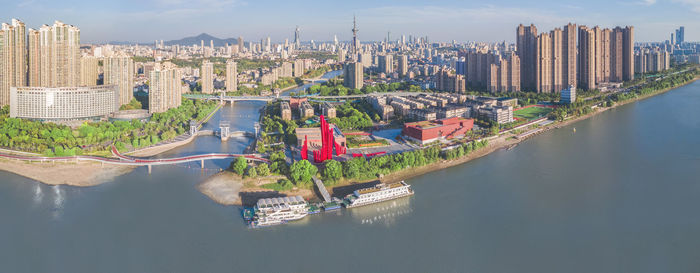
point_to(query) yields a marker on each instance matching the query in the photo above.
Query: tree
(252, 172)
(239, 165)
(332, 170)
(263, 169)
(302, 171)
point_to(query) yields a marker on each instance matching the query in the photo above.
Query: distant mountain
(197, 40)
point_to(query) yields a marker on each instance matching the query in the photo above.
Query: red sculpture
(327, 143)
(305, 149)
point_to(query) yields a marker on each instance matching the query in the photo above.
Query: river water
(621, 194)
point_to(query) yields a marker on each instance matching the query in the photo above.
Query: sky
(440, 20)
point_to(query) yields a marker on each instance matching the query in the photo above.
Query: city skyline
(145, 21)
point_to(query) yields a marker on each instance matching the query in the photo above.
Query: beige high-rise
(34, 58)
(13, 55)
(543, 71)
(556, 36)
(88, 71)
(165, 91)
(231, 76)
(207, 75)
(403, 65)
(606, 48)
(119, 70)
(59, 55)
(353, 75)
(616, 55)
(628, 53)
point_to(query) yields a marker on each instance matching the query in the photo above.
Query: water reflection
(385, 213)
(38, 194)
(58, 201)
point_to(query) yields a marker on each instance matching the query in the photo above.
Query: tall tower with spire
(355, 42)
(297, 39)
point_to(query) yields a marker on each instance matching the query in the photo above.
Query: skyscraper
(207, 75)
(568, 54)
(231, 76)
(59, 56)
(526, 43)
(297, 38)
(119, 70)
(353, 77)
(34, 58)
(88, 71)
(386, 63)
(13, 54)
(616, 55)
(680, 35)
(165, 90)
(586, 58)
(241, 47)
(403, 65)
(543, 71)
(628, 53)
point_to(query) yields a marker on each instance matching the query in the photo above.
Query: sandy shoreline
(81, 173)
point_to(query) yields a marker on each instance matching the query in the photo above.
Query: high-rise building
(615, 55)
(445, 80)
(354, 75)
(586, 58)
(504, 76)
(207, 75)
(628, 54)
(568, 53)
(386, 63)
(59, 55)
(13, 55)
(241, 47)
(297, 38)
(119, 70)
(543, 71)
(231, 76)
(88, 71)
(605, 54)
(680, 35)
(165, 90)
(298, 68)
(527, 51)
(33, 58)
(403, 65)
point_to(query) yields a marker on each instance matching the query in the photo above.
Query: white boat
(279, 210)
(379, 193)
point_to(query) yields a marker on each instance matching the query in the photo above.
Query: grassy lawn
(532, 112)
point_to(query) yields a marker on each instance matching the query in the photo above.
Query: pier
(322, 189)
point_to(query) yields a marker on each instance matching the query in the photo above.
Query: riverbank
(228, 188)
(81, 173)
(503, 141)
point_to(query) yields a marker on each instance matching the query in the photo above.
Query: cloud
(647, 2)
(694, 4)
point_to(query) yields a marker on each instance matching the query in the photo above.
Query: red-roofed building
(296, 102)
(429, 131)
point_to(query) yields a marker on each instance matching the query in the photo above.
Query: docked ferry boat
(379, 193)
(279, 210)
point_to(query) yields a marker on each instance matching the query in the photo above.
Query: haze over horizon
(487, 21)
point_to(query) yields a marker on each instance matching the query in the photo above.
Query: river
(618, 195)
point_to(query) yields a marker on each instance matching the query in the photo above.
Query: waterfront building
(119, 70)
(568, 95)
(165, 90)
(231, 76)
(425, 132)
(586, 59)
(33, 57)
(207, 77)
(88, 71)
(63, 103)
(353, 75)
